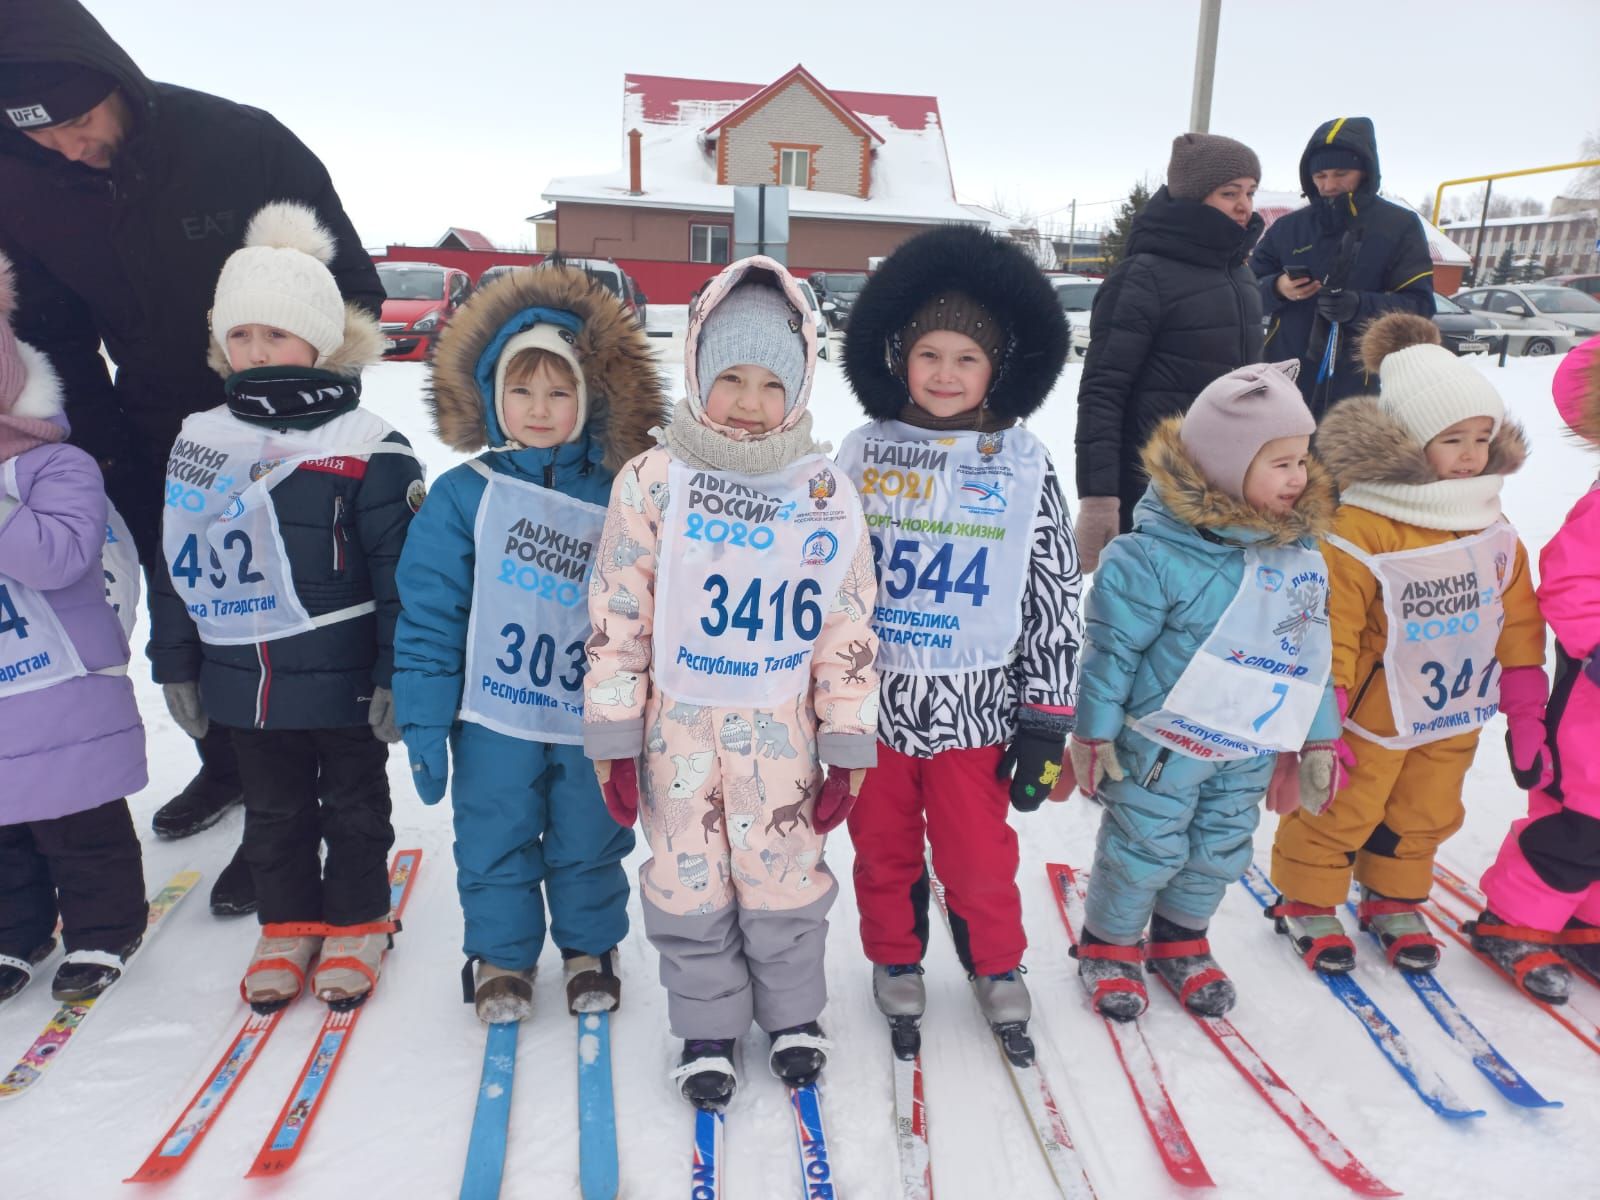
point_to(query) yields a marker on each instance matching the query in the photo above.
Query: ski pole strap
(1329, 354)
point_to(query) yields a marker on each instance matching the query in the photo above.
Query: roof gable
(809, 81)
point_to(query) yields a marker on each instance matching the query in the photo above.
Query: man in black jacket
(122, 199)
(1332, 266)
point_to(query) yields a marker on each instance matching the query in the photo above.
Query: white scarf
(1457, 505)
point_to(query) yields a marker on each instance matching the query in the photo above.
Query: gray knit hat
(1238, 413)
(753, 324)
(1203, 162)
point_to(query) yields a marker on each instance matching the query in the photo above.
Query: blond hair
(525, 364)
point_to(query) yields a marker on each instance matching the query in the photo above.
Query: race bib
(749, 567)
(530, 610)
(951, 520)
(35, 650)
(119, 562)
(1444, 606)
(1256, 684)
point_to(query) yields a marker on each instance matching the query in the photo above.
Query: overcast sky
(436, 114)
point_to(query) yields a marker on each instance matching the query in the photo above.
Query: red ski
(282, 1147)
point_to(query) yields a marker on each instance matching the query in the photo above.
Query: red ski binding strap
(1515, 933)
(1588, 936)
(1190, 949)
(1406, 940)
(1131, 954)
(345, 962)
(278, 929)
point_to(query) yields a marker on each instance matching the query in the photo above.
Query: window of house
(794, 168)
(708, 243)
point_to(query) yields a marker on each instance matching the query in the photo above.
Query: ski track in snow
(397, 1118)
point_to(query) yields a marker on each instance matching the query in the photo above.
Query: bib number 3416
(797, 610)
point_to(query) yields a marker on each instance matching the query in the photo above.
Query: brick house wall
(747, 150)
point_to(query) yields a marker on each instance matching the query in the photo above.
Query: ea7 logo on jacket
(204, 225)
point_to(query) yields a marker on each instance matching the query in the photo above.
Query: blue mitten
(428, 748)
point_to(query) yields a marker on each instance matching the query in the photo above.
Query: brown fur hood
(361, 348)
(626, 397)
(1194, 501)
(1362, 442)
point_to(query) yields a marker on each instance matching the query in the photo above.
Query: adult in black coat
(1178, 311)
(1345, 258)
(122, 199)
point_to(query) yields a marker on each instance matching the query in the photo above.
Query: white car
(1541, 320)
(819, 316)
(1076, 293)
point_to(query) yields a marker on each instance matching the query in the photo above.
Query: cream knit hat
(1426, 387)
(280, 277)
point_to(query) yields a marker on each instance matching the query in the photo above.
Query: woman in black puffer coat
(1180, 310)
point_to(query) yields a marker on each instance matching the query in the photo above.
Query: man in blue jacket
(1332, 266)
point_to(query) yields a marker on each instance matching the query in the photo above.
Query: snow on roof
(910, 171)
(1272, 205)
(1585, 215)
(470, 238)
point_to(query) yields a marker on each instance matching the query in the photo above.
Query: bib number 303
(795, 610)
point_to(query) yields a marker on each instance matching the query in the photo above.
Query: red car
(420, 299)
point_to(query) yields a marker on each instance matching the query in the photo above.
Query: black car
(1458, 327)
(838, 291)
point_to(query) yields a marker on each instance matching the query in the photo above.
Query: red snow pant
(954, 800)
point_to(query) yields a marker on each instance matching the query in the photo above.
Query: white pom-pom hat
(280, 277)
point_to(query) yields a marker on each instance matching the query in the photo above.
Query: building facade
(1563, 243)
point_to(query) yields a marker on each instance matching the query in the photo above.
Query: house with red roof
(865, 171)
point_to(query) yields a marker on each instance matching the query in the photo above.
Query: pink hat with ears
(1573, 385)
(12, 373)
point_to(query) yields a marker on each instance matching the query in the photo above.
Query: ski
(911, 1130)
(1323, 1143)
(63, 1027)
(811, 1144)
(1178, 1153)
(486, 1146)
(1431, 1090)
(705, 1172)
(1038, 1101)
(1573, 1022)
(597, 1114)
(283, 1144)
(1491, 1064)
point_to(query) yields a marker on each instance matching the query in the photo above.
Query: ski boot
(593, 986)
(85, 974)
(799, 1053)
(901, 997)
(234, 892)
(278, 964)
(352, 956)
(1524, 954)
(1182, 957)
(1007, 1006)
(17, 973)
(1579, 944)
(1399, 925)
(1317, 935)
(499, 994)
(200, 805)
(1111, 976)
(705, 1074)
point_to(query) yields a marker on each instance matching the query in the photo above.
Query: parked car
(1458, 327)
(1076, 293)
(1584, 283)
(837, 290)
(490, 274)
(1546, 320)
(419, 300)
(821, 318)
(611, 274)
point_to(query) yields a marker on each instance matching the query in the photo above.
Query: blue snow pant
(1175, 833)
(530, 828)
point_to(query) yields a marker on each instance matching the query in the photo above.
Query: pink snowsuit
(1548, 869)
(736, 893)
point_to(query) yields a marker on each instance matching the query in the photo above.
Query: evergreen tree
(1504, 268)
(1116, 239)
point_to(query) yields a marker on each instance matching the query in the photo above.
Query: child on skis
(1205, 681)
(732, 648)
(1434, 624)
(956, 338)
(286, 510)
(1543, 890)
(550, 375)
(71, 744)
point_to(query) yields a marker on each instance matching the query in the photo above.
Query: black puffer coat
(1179, 311)
(131, 255)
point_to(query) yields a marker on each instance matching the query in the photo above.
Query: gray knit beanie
(1203, 162)
(753, 324)
(1238, 413)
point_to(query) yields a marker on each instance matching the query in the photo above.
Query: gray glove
(183, 702)
(380, 715)
(1099, 520)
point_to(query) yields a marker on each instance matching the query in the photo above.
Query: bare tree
(1588, 183)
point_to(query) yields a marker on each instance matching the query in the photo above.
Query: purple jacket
(78, 743)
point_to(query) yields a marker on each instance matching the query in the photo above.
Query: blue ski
(486, 1148)
(1434, 1092)
(811, 1143)
(597, 1116)
(705, 1179)
(1489, 1061)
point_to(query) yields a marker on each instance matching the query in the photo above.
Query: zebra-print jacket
(921, 715)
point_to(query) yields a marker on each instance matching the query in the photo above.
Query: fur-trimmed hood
(361, 348)
(1361, 441)
(626, 397)
(994, 272)
(1194, 501)
(41, 398)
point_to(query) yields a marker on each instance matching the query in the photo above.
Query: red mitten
(621, 792)
(838, 797)
(1283, 790)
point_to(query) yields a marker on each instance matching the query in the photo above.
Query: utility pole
(1072, 236)
(1205, 65)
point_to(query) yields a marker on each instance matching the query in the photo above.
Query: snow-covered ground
(397, 1118)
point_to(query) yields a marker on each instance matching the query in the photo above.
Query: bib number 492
(901, 578)
(799, 609)
(186, 566)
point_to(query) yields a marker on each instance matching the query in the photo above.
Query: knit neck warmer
(291, 397)
(982, 419)
(698, 445)
(20, 434)
(1457, 505)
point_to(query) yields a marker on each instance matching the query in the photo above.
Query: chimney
(634, 187)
